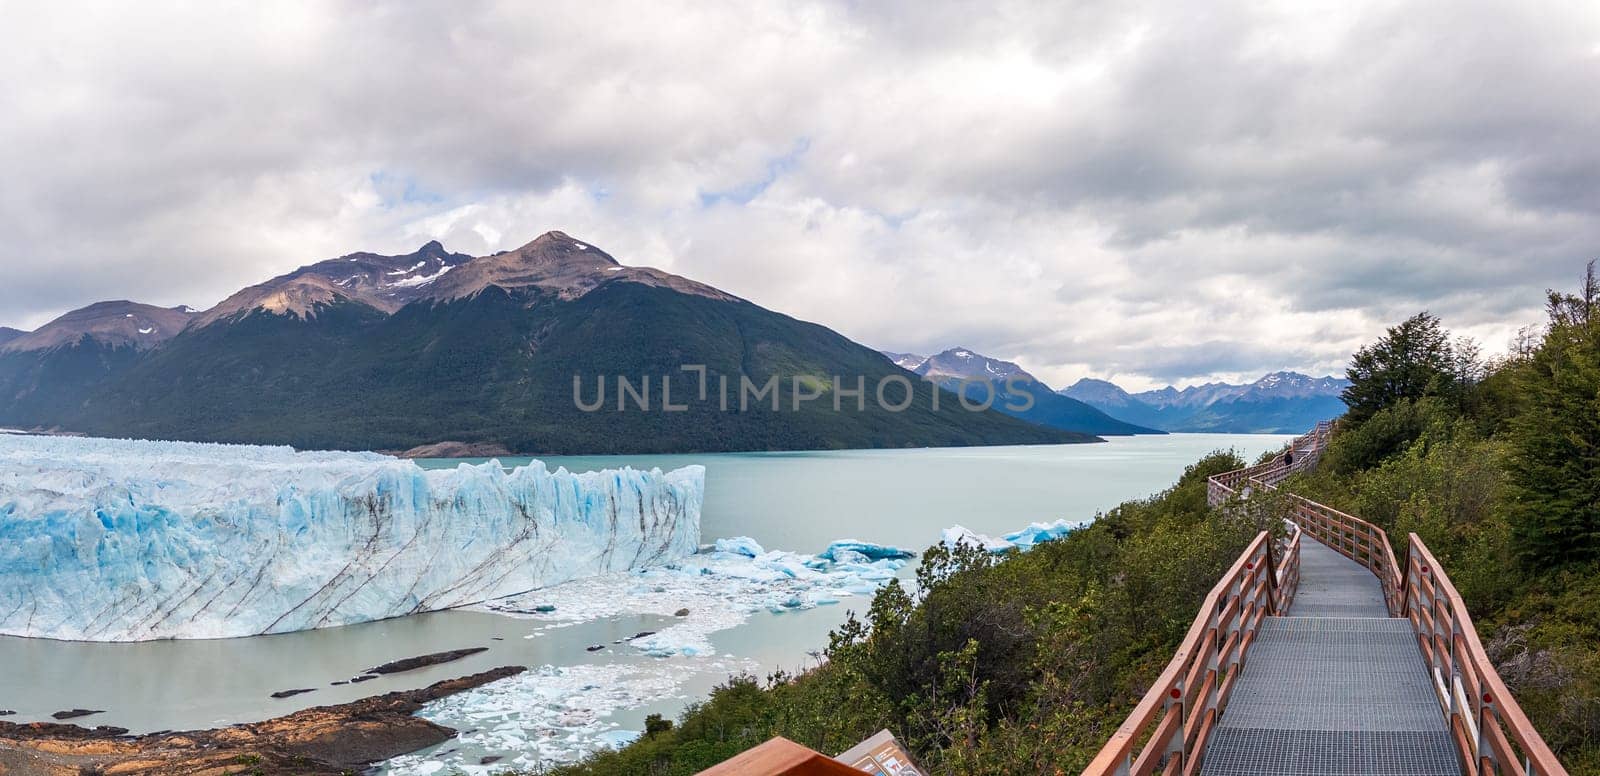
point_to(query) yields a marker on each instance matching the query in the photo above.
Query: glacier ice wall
(118, 540)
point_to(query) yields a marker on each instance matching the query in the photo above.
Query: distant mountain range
(1278, 403)
(368, 351)
(1009, 386)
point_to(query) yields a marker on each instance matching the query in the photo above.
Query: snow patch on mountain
(907, 361)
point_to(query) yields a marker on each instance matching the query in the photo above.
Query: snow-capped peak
(968, 364)
(906, 361)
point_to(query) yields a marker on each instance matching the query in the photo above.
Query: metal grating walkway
(1332, 585)
(1361, 700)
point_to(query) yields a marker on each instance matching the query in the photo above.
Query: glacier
(127, 540)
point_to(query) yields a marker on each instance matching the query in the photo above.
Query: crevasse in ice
(118, 540)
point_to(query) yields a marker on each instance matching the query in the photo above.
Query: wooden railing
(1302, 454)
(1492, 734)
(1169, 728)
(1355, 539)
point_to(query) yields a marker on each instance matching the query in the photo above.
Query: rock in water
(119, 540)
(413, 663)
(76, 713)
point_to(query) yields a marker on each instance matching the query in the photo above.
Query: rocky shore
(320, 741)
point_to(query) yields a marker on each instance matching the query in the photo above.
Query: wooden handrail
(1492, 734)
(1181, 708)
(1354, 538)
(1482, 712)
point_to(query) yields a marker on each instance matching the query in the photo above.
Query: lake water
(801, 501)
(792, 501)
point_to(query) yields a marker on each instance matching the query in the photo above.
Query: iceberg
(740, 545)
(958, 535)
(837, 551)
(1023, 540)
(123, 540)
(1041, 532)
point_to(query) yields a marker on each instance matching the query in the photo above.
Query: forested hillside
(393, 352)
(1026, 664)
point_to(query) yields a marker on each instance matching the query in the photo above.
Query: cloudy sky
(1150, 192)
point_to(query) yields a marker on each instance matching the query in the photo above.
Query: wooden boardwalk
(1321, 654)
(1360, 701)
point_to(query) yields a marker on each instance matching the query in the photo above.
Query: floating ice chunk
(1023, 540)
(740, 545)
(1041, 532)
(550, 714)
(868, 549)
(957, 535)
(117, 540)
(616, 739)
(718, 588)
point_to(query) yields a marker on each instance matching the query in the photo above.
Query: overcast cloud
(1150, 192)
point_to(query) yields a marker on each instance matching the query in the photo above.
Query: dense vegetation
(497, 367)
(1027, 665)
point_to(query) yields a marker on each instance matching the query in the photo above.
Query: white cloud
(1149, 191)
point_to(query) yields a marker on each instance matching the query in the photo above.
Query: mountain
(113, 324)
(49, 372)
(394, 352)
(906, 361)
(1278, 385)
(1112, 400)
(384, 283)
(1010, 384)
(1281, 402)
(8, 334)
(961, 363)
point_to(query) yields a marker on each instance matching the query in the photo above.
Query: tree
(1554, 468)
(1413, 360)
